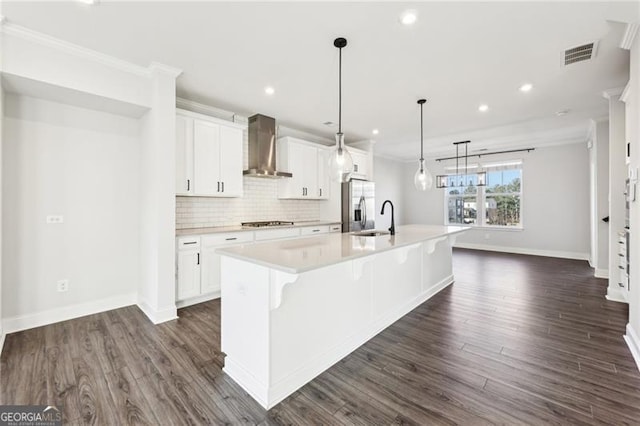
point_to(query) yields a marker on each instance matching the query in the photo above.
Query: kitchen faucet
(392, 229)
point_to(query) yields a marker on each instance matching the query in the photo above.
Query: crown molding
(611, 93)
(24, 33)
(629, 35)
(626, 92)
(209, 110)
(155, 67)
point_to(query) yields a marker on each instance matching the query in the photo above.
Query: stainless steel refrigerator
(358, 205)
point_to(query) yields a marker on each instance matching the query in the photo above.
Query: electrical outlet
(55, 219)
(63, 285)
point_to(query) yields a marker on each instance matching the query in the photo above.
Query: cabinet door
(310, 165)
(206, 149)
(297, 158)
(210, 270)
(188, 274)
(230, 161)
(324, 180)
(184, 155)
(360, 164)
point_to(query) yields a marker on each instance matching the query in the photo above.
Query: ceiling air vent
(579, 53)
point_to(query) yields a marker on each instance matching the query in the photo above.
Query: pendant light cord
(421, 133)
(340, 90)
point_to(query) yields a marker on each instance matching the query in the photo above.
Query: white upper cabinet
(184, 155)
(362, 167)
(307, 162)
(208, 156)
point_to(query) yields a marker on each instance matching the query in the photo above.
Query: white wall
(390, 185)
(63, 160)
(555, 205)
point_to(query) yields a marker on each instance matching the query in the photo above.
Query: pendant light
(340, 161)
(422, 179)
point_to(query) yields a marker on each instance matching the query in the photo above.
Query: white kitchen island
(292, 308)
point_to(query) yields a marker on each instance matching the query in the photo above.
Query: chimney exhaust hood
(262, 148)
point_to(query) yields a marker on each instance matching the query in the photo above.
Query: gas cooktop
(265, 224)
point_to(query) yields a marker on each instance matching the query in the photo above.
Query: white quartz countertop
(239, 228)
(305, 254)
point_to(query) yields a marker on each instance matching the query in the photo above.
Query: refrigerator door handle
(362, 205)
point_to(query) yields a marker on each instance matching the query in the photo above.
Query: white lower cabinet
(188, 268)
(199, 266)
(314, 230)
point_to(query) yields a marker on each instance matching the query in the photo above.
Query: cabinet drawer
(227, 238)
(274, 234)
(335, 228)
(188, 243)
(314, 230)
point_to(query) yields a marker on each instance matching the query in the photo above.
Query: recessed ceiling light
(408, 17)
(483, 108)
(375, 131)
(269, 90)
(526, 87)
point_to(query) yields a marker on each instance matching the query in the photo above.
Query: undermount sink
(369, 233)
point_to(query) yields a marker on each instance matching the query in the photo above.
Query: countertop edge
(227, 252)
(224, 229)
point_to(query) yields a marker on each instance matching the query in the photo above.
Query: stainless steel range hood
(262, 148)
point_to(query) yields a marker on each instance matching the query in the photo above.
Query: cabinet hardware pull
(222, 186)
(355, 167)
(621, 267)
(620, 254)
(198, 258)
(190, 242)
(188, 185)
(231, 239)
(321, 192)
(218, 186)
(316, 230)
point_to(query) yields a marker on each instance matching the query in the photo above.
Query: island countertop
(305, 254)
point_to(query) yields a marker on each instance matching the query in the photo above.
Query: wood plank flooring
(515, 340)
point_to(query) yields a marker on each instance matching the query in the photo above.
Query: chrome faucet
(392, 229)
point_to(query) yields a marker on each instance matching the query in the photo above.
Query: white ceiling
(458, 55)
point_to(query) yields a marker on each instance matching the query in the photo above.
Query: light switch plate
(55, 219)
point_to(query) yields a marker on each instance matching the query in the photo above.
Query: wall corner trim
(601, 273)
(158, 316)
(2, 336)
(629, 35)
(158, 67)
(633, 341)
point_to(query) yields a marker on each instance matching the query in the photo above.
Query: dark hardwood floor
(515, 340)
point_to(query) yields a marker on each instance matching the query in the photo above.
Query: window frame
(481, 196)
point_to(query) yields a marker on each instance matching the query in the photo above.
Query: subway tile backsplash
(260, 202)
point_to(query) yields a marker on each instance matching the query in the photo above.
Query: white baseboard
(601, 273)
(198, 299)
(25, 322)
(633, 341)
(614, 294)
(158, 316)
(2, 335)
(520, 250)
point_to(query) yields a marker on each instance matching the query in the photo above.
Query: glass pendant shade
(340, 161)
(422, 180)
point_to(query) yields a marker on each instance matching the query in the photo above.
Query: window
(498, 204)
